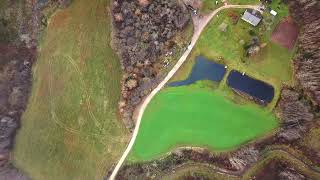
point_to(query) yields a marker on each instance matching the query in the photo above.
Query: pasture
(70, 129)
(198, 115)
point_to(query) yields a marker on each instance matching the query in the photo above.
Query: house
(252, 17)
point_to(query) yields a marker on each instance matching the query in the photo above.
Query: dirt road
(199, 25)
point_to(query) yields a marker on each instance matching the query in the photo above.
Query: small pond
(255, 88)
(203, 70)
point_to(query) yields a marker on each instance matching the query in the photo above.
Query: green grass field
(70, 129)
(197, 115)
(272, 64)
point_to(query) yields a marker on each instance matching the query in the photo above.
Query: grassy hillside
(70, 129)
(197, 115)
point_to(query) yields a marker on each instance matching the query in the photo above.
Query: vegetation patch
(227, 38)
(286, 33)
(197, 115)
(70, 129)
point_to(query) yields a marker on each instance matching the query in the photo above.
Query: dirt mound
(286, 33)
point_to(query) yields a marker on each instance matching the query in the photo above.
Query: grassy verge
(312, 139)
(243, 1)
(70, 129)
(197, 115)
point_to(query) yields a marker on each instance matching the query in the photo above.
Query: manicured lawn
(70, 129)
(197, 115)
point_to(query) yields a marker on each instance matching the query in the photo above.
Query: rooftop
(252, 16)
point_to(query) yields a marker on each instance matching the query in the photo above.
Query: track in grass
(197, 115)
(70, 129)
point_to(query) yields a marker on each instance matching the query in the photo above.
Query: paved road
(199, 25)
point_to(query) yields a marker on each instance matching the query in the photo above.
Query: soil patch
(286, 33)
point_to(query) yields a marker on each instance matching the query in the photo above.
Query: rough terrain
(19, 30)
(143, 33)
(307, 63)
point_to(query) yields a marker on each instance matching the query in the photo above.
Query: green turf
(70, 129)
(197, 115)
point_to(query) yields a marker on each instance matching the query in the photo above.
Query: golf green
(197, 115)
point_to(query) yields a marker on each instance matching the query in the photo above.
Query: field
(70, 129)
(286, 33)
(272, 64)
(197, 115)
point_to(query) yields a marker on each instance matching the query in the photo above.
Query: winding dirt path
(241, 172)
(199, 25)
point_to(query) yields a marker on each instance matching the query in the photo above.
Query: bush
(252, 33)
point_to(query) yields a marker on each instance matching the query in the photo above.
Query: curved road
(199, 25)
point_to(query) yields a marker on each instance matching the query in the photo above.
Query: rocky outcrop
(143, 33)
(307, 63)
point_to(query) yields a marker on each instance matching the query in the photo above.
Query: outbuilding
(274, 13)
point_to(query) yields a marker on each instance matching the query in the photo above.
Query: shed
(274, 13)
(252, 17)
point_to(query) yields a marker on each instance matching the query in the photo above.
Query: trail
(239, 173)
(199, 25)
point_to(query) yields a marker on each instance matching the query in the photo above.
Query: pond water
(255, 88)
(203, 70)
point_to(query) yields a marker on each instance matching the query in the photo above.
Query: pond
(203, 70)
(255, 88)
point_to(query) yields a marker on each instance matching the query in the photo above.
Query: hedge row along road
(199, 25)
